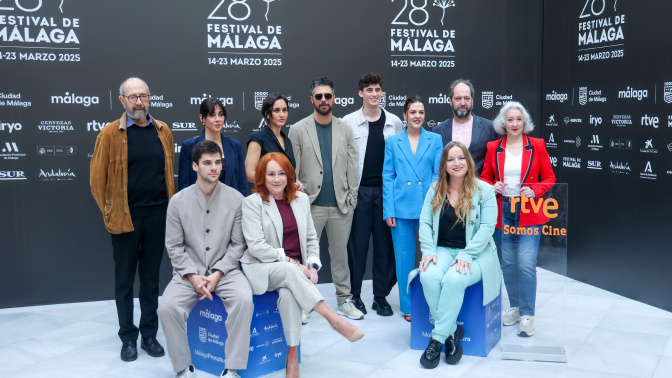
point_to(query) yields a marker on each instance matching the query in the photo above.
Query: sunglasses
(327, 96)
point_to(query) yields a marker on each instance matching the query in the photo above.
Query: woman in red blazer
(520, 169)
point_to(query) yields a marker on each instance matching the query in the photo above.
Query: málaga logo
(487, 99)
(667, 92)
(259, 99)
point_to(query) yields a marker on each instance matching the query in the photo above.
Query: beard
(319, 110)
(462, 113)
(137, 112)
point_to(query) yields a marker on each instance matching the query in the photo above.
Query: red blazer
(536, 163)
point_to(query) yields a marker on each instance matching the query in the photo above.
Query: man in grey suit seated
(204, 239)
(473, 131)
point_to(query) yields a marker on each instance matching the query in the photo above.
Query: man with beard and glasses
(473, 131)
(132, 181)
(327, 164)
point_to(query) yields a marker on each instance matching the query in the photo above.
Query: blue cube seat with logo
(482, 324)
(206, 333)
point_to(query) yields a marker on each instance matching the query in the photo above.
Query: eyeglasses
(134, 98)
(327, 96)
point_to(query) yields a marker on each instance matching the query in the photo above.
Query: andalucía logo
(57, 175)
(487, 99)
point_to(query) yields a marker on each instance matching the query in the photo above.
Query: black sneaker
(152, 346)
(430, 358)
(381, 306)
(357, 301)
(129, 350)
(453, 346)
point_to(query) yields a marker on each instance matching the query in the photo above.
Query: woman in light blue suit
(411, 164)
(456, 226)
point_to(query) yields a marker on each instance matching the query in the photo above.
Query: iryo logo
(595, 120)
(10, 127)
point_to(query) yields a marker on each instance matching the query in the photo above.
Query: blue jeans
(444, 290)
(403, 238)
(519, 248)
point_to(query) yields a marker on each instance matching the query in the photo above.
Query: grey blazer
(345, 160)
(203, 236)
(482, 132)
(263, 231)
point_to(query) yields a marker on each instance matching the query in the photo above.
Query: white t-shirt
(512, 169)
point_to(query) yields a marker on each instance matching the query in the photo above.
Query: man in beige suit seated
(327, 165)
(205, 242)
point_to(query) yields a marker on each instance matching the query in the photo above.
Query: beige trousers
(296, 294)
(179, 299)
(338, 232)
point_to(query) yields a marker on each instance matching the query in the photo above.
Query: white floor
(606, 336)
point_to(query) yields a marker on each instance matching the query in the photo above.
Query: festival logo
(600, 31)
(39, 31)
(571, 162)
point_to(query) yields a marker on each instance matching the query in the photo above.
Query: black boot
(432, 354)
(453, 346)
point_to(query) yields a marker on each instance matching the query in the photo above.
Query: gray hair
(500, 120)
(121, 87)
(460, 81)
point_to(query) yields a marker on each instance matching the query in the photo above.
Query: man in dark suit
(475, 132)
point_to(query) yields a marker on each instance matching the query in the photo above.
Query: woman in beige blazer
(283, 252)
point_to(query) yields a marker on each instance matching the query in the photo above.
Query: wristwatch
(314, 265)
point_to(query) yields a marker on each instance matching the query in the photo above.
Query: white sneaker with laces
(229, 373)
(526, 326)
(511, 316)
(189, 372)
(304, 318)
(348, 309)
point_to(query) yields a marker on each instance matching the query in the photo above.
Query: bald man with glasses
(132, 181)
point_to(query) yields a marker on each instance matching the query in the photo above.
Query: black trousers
(141, 251)
(367, 220)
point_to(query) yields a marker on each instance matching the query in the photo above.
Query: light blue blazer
(407, 177)
(480, 245)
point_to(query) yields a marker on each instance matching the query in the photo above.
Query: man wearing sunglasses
(326, 158)
(132, 181)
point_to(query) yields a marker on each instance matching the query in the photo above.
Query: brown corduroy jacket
(109, 172)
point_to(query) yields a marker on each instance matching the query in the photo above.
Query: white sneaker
(189, 372)
(511, 316)
(526, 327)
(304, 318)
(229, 373)
(348, 309)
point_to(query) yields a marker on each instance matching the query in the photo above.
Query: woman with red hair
(283, 252)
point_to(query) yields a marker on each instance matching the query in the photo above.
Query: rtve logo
(650, 121)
